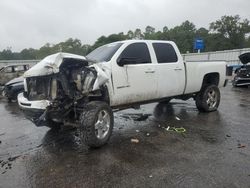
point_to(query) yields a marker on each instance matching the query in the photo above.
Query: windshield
(104, 53)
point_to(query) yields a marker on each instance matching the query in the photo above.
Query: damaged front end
(57, 90)
(242, 74)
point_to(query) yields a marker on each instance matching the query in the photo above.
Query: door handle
(178, 69)
(149, 71)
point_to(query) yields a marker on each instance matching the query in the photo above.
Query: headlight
(53, 90)
(25, 85)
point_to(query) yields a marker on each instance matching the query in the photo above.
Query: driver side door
(135, 81)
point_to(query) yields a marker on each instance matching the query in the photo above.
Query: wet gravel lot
(213, 152)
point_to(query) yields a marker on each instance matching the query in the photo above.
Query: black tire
(89, 120)
(204, 101)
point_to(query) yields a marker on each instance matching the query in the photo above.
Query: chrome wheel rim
(212, 99)
(102, 124)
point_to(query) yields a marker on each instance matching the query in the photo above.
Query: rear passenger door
(170, 70)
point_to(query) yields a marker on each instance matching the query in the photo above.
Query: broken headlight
(53, 90)
(25, 85)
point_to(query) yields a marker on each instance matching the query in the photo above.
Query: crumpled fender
(102, 77)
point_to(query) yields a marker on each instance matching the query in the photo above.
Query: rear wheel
(208, 99)
(97, 123)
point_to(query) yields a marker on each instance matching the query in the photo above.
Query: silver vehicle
(9, 72)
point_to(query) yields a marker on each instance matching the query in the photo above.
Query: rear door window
(137, 52)
(165, 53)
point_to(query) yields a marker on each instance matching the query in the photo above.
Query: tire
(208, 99)
(96, 124)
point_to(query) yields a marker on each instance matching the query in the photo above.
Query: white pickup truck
(67, 89)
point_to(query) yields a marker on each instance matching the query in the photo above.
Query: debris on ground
(159, 125)
(177, 118)
(175, 129)
(228, 135)
(137, 131)
(241, 146)
(0, 142)
(148, 134)
(134, 140)
(136, 117)
(150, 176)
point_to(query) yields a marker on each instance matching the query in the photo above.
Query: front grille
(38, 88)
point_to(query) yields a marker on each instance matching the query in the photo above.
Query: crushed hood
(245, 58)
(51, 64)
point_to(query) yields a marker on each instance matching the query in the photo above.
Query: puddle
(135, 116)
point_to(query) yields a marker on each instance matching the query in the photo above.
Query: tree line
(229, 32)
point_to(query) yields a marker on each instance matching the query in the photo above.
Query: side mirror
(126, 61)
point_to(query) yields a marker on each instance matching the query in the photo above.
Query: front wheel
(208, 99)
(96, 124)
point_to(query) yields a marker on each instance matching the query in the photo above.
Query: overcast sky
(32, 23)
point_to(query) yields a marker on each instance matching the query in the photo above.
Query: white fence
(230, 56)
(10, 62)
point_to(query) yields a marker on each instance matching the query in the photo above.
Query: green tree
(28, 53)
(149, 32)
(183, 36)
(232, 28)
(130, 34)
(6, 54)
(138, 34)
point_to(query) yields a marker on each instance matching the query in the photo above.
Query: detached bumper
(34, 110)
(25, 104)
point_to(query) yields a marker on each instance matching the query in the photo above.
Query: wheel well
(102, 95)
(211, 79)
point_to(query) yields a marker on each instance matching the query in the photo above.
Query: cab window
(138, 53)
(165, 53)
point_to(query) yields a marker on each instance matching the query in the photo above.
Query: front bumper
(25, 104)
(34, 110)
(241, 81)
